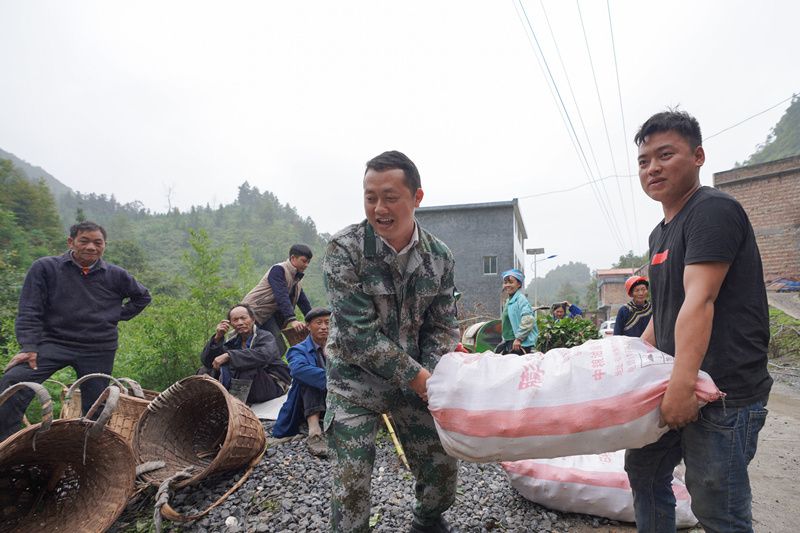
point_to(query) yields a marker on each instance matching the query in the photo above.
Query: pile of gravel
(290, 491)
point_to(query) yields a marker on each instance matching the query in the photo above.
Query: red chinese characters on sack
(531, 376)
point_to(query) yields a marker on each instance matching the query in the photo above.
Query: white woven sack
(599, 397)
(588, 484)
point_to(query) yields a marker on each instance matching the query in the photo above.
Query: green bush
(564, 333)
(784, 335)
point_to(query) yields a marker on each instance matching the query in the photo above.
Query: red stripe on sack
(615, 480)
(660, 257)
(552, 420)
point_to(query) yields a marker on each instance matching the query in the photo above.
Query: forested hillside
(34, 173)
(196, 264)
(783, 140)
(248, 235)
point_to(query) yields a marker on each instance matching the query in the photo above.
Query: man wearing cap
(519, 323)
(633, 317)
(307, 395)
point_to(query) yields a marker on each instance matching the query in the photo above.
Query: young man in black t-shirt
(710, 311)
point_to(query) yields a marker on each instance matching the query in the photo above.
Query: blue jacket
(302, 360)
(518, 306)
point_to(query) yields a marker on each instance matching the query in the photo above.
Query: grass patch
(784, 343)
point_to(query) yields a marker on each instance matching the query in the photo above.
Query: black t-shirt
(713, 227)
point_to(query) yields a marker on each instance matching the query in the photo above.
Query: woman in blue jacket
(519, 323)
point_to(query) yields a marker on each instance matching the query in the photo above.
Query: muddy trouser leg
(436, 472)
(351, 434)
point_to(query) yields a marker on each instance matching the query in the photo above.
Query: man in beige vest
(275, 297)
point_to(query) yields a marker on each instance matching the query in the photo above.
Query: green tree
(631, 260)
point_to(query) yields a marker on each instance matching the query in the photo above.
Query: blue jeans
(716, 448)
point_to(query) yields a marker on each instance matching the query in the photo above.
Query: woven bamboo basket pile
(132, 403)
(196, 424)
(65, 475)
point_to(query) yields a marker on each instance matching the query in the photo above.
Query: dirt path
(774, 473)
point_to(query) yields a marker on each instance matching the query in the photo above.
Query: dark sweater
(60, 305)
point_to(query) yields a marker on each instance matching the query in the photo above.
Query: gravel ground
(290, 491)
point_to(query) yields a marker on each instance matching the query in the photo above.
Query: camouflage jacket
(386, 325)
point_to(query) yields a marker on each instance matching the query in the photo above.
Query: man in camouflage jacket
(393, 317)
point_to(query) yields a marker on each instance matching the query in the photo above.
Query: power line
(622, 116)
(575, 188)
(569, 86)
(749, 118)
(605, 124)
(571, 128)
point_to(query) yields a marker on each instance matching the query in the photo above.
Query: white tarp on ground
(269, 410)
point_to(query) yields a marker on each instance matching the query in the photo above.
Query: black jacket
(261, 362)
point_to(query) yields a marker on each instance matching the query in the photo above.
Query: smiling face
(669, 169)
(511, 285)
(389, 205)
(87, 247)
(241, 321)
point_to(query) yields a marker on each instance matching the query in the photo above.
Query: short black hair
(301, 250)
(680, 122)
(85, 227)
(396, 160)
(246, 307)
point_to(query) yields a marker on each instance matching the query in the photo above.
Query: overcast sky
(140, 98)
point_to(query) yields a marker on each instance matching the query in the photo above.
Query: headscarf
(515, 273)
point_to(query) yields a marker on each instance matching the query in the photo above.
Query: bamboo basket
(196, 424)
(129, 409)
(64, 475)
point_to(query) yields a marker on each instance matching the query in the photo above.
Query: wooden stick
(397, 445)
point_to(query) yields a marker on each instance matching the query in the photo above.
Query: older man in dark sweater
(68, 313)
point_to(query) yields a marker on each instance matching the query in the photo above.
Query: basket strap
(51, 380)
(75, 385)
(136, 389)
(111, 397)
(163, 508)
(44, 400)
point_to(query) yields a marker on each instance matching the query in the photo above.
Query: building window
(490, 264)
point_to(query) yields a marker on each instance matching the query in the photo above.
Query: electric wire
(605, 123)
(749, 118)
(571, 91)
(564, 119)
(575, 188)
(624, 129)
(579, 148)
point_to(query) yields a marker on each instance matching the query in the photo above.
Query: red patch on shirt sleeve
(660, 257)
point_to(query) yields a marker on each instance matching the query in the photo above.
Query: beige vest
(261, 298)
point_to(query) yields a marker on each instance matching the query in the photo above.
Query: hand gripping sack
(599, 397)
(588, 484)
